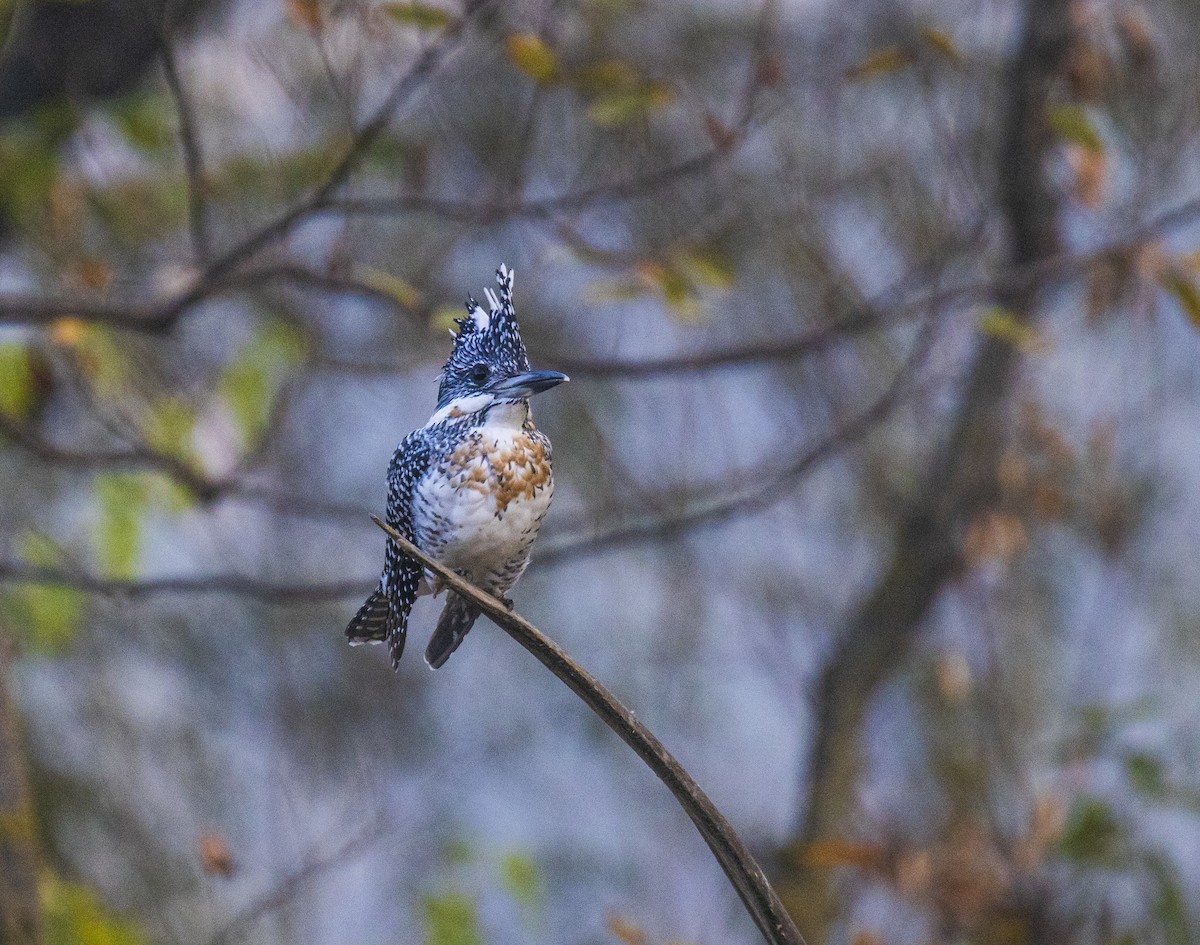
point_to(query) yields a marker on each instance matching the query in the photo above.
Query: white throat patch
(459, 406)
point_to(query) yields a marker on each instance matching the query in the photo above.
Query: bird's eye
(479, 373)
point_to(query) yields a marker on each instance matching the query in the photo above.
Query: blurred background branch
(883, 320)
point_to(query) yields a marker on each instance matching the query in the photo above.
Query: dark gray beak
(528, 383)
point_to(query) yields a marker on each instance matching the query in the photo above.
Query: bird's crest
(490, 336)
(480, 319)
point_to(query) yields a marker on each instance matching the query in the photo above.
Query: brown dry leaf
(67, 208)
(1150, 260)
(914, 872)
(1114, 520)
(722, 138)
(1089, 72)
(67, 331)
(1050, 501)
(1102, 290)
(952, 673)
(1012, 473)
(94, 273)
(1136, 32)
(1046, 823)
(994, 536)
(769, 72)
(971, 875)
(306, 13)
(625, 929)
(215, 856)
(835, 851)
(1089, 169)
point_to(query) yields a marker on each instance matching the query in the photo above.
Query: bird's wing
(401, 575)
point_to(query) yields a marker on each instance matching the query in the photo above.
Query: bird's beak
(528, 383)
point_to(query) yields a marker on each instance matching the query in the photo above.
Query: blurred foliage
(451, 919)
(122, 501)
(16, 379)
(866, 156)
(73, 915)
(40, 616)
(423, 15)
(520, 875)
(249, 382)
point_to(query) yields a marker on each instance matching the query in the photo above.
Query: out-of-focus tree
(877, 481)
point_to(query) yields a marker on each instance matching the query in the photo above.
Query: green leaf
(73, 915)
(613, 109)
(168, 426)
(678, 295)
(144, 120)
(610, 75)
(42, 616)
(122, 498)
(531, 55)
(708, 268)
(421, 15)
(405, 293)
(521, 878)
(1185, 292)
(1092, 834)
(880, 62)
(451, 919)
(248, 383)
(943, 45)
(1003, 323)
(1073, 124)
(458, 850)
(1145, 773)
(28, 169)
(16, 380)
(1170, 905)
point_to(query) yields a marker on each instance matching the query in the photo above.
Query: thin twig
(193, 158)
(16, 573)
(739, 865)
(293, 883)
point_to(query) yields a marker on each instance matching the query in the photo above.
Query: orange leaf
(306, 13)
(834, 851)
(626, 930)
(215, 856)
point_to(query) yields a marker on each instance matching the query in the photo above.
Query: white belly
(480, 512)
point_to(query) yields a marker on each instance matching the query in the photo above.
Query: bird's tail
(377, 620)
(457, 618)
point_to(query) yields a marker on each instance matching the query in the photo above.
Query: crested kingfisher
(471, 487)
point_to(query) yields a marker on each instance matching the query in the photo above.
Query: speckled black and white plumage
(472, 486)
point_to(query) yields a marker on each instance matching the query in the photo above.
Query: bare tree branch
(294, 884)
(189, 145)
(961, 478)
(739, 865)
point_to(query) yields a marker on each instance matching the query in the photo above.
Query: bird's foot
(508, 602)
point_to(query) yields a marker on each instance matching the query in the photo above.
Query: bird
(471, 487)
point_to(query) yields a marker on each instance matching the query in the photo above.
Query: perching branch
(744, 873)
